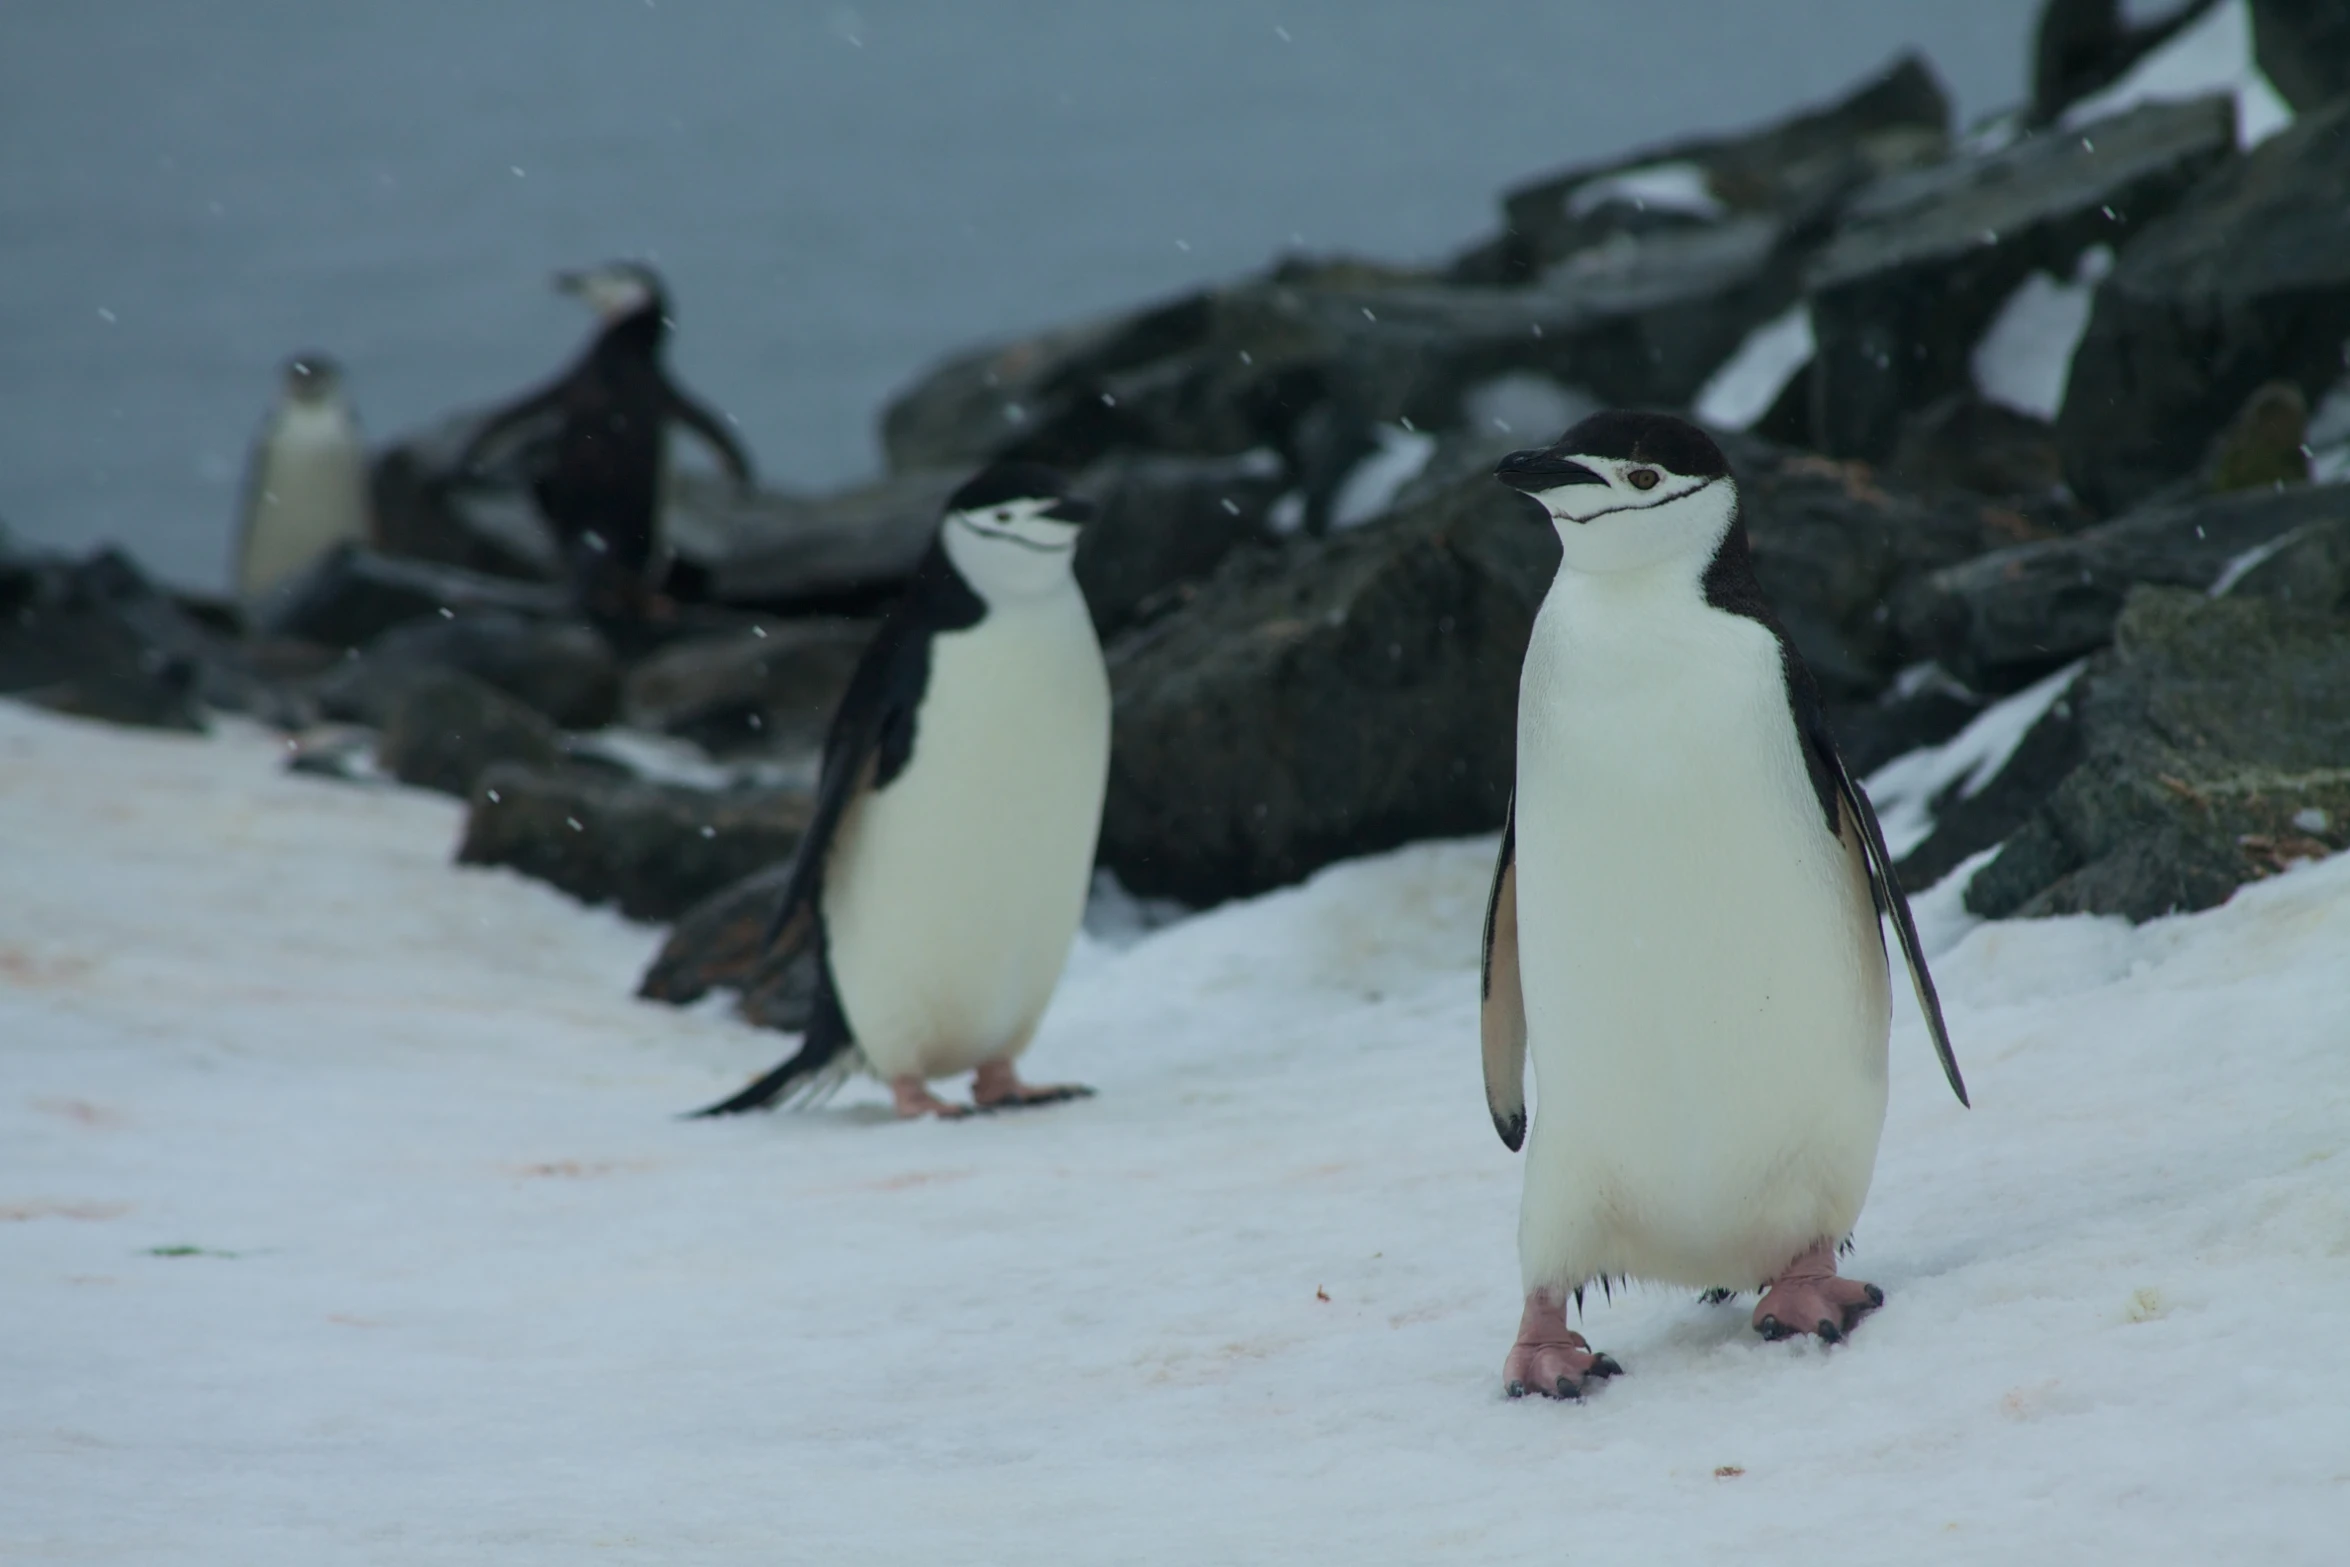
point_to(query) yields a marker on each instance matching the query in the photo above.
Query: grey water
(838, 195)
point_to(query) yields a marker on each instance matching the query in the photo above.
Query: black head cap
(1675, 445)
(1001, 483)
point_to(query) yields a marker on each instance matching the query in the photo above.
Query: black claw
(1516, 1390)
(1569, 1388)
(1876, 1295)
(1828, 1331)
(1605, 1366)
(1769, 1328)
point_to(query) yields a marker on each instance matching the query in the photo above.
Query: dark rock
(977, 404)
(2303, 48)
(97, 639)
(1913, 713)
(770, 686)
(1972, 813)
(1797, 169)
(1924, 261)
(445, 728)
(2082, 46)
(2216, 744)
(1334, 697)
(1964, 442)
(1306, 361)
(1166, 521)
(352, 596)
(656, 850)
(720, 944)
(563, 671)
(1338, 696)
(845, 553)
(2006, 619)
(1835, 545)
(2248, 281)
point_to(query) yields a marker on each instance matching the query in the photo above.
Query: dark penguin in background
(1683, 928)
(598, 443)
(944, 871)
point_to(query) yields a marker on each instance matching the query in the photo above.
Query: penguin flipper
(1885, 887)
(504, 424)
(713, 432)
(871, 737)
(1501, 1016)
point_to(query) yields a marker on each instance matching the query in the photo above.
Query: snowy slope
(469, 1292)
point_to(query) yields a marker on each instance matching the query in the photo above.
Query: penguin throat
(1680, 533)
(1001, 565)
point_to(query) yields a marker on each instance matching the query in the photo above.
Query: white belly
(1706, 992)
(952, 895)
(308, 495)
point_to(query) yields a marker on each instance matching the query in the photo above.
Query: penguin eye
(1642, 478)
(1003, 514)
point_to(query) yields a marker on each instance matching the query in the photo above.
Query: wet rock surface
(566, 672)
(2248, 281)
(654, 850)
(2006, 618)
(1333, 698)
(1924, 262)
(445, 728)
(2215, 741)
(720, 944)
(1168, 521)
(353, 596)
(769, 686)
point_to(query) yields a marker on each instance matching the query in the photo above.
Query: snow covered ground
(345, 1216)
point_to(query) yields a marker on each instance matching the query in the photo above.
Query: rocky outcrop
(2248, 281)
(1167, 521)
(352, 596)
(564, 671)
(1795, 170)
(769, 686)
(845, 553)
(2215, 741)
(97, 639)
(2005, 619)
(653, 849)
(1332, 698)
(1924, 262)
(444, 729)
(721, 944)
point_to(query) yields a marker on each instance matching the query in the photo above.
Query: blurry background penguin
(592, 445)
(305, 482)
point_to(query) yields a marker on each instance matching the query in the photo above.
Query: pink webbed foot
(996, 1086)
(1809, 1297)
(1549, 1357)
(912, 1099)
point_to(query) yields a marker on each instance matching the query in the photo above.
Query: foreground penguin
(1683, 926)
(604, 424)
(305, 481)
(945, 868)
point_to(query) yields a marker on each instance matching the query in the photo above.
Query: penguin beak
(1072, 508)
(1532, 472)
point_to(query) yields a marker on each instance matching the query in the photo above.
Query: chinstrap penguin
(946, 864)
(305, 481)
(1683, 926)
(596, 440)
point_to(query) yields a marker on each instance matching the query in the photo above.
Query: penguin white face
(1627, 491)
(613, 292)
(1016, 547)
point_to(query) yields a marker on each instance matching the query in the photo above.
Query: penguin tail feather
(804, 1082)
